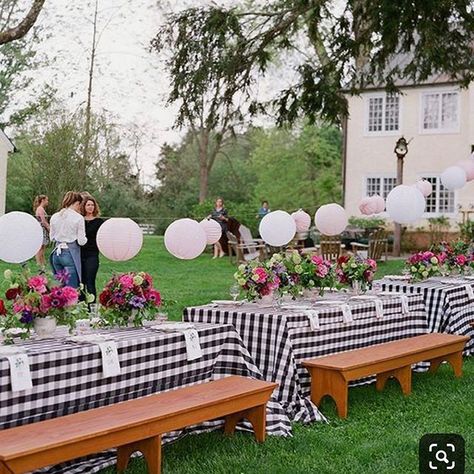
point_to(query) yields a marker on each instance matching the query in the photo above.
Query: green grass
(381, 434)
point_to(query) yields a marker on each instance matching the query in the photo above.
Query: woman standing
(39, 208)
(90, 251)
(67, 230)
(219, 214)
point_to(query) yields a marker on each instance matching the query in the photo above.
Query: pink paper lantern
(302, 220)
(379, 203)
(468, 166)
(119, 239)
(331, 219)
(424, 186)
(185, 239)
(368, 206)
(212, 229)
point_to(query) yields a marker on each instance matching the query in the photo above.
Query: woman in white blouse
(67, 231)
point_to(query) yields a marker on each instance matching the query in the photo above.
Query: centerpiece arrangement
(129, 299)
(423, 265)
(456, 258)
(258, 280)
(36, 301)
(356, 271)
(318, 274)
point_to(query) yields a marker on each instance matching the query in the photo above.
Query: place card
(313, 317)
(378, 308)
(347, 313)
(470, 292)
(193, 346)
(110, 359)
(20, 374)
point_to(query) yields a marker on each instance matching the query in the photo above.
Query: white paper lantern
(331, 219)
(185, 239)
(119, 239)
(21, 236)
(277, 228)
(368, 206)
(468, 167)
(302, 220)
(424, 186)
(212, 229)
(453, 178)
(405, 204)
(379, 203)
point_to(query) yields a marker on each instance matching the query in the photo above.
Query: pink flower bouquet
(423, 265)
(257, 279)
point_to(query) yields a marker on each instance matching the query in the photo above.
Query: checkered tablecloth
(448, 306)
(280, 340)
(67, 378)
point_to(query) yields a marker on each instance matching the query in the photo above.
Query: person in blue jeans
(67, 231)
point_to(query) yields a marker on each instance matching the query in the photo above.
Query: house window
(379, 185)
(441, 200)
(383, 113)
(440, 111)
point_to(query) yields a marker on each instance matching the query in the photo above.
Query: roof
(6, 141)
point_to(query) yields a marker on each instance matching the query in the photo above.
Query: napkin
(313, 317)
(378, 308)
(172, 327)
(470, 292)
(20, 374)
(191, 337)
(110, 359)
(405, 306)
(346, 313)
(88, 338)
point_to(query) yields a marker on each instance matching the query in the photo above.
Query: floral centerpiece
(257, 279)
(129, 298)
(424, 265)
(355, 271)
(36, 299)
(288, 268)
(317, 273)
(456, 257)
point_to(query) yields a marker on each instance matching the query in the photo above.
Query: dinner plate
(228, 302)
(397, 277)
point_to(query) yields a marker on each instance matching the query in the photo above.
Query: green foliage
(467, 230)
(367, 222)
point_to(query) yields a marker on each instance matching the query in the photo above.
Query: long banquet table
(67, 378)
(449, 306)
(279, 340)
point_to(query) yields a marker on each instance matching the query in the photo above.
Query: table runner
(448, 306)
(279, 340)
(67, 378)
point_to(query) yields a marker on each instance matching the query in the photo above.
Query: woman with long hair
(220, 215)
(40, 204)
(67, 231)
(90, 252)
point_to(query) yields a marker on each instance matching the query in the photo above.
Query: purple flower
(137, 302)
(62, 276)
(26, 317)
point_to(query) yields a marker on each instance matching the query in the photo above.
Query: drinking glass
(234, 291)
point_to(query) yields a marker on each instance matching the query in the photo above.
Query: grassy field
(381, 434)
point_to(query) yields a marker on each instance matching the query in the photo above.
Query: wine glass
(234, 291)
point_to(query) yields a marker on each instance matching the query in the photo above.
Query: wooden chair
(135, 425)
(377, 246)
(244, 252)
(331, 247)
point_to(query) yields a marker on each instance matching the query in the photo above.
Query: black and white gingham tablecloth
(448, 306)
(280, 341)
(67, 378)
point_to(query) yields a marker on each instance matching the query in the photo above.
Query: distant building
(437, 116)
(6, 147)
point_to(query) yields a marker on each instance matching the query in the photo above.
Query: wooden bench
(135, 425)
(330, 375)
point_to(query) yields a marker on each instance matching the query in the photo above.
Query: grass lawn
(381, 434)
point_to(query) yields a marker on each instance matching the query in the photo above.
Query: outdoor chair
(244, 252)
(376, 247)
(331, 247)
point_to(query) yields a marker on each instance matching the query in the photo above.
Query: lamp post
(401, 149)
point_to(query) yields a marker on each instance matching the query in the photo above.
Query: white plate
(329, 302)
(364, 297)
(295, 307)
(397, 277)
(228, 302)
(391, 293)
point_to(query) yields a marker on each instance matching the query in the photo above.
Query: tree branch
(24, 26)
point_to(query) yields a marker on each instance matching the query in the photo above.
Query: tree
(8, 10)
(331, 48)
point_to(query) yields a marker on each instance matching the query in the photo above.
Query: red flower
(12, 293)
(104, 297)
(3, 310)
(342, 259)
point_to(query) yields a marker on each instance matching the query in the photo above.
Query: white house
(438, 119)
(6, 147)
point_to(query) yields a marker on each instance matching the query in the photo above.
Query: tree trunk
(203, 168)
(24, 26)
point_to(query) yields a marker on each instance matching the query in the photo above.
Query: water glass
(234, 291)
(94, 310)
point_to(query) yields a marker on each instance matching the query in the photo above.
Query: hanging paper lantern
(212, 229)
(379, 203)
(185, 239)
(424, 186)
(453, 178)
(405, 204)
(302, 220)
(277, 228)
(468, 167)
(368, 206)
(21, 236)
(331, 219)
(119, 239)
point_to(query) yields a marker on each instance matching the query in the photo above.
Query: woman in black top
(90, 251)
(219, 214)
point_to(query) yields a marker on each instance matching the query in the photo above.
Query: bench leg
(150, 448)
(332, 383)
(4, 469)
(403, 375)
(454, 359)
(257, 417)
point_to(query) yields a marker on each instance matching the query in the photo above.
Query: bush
(368, 223)
(467, 230)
